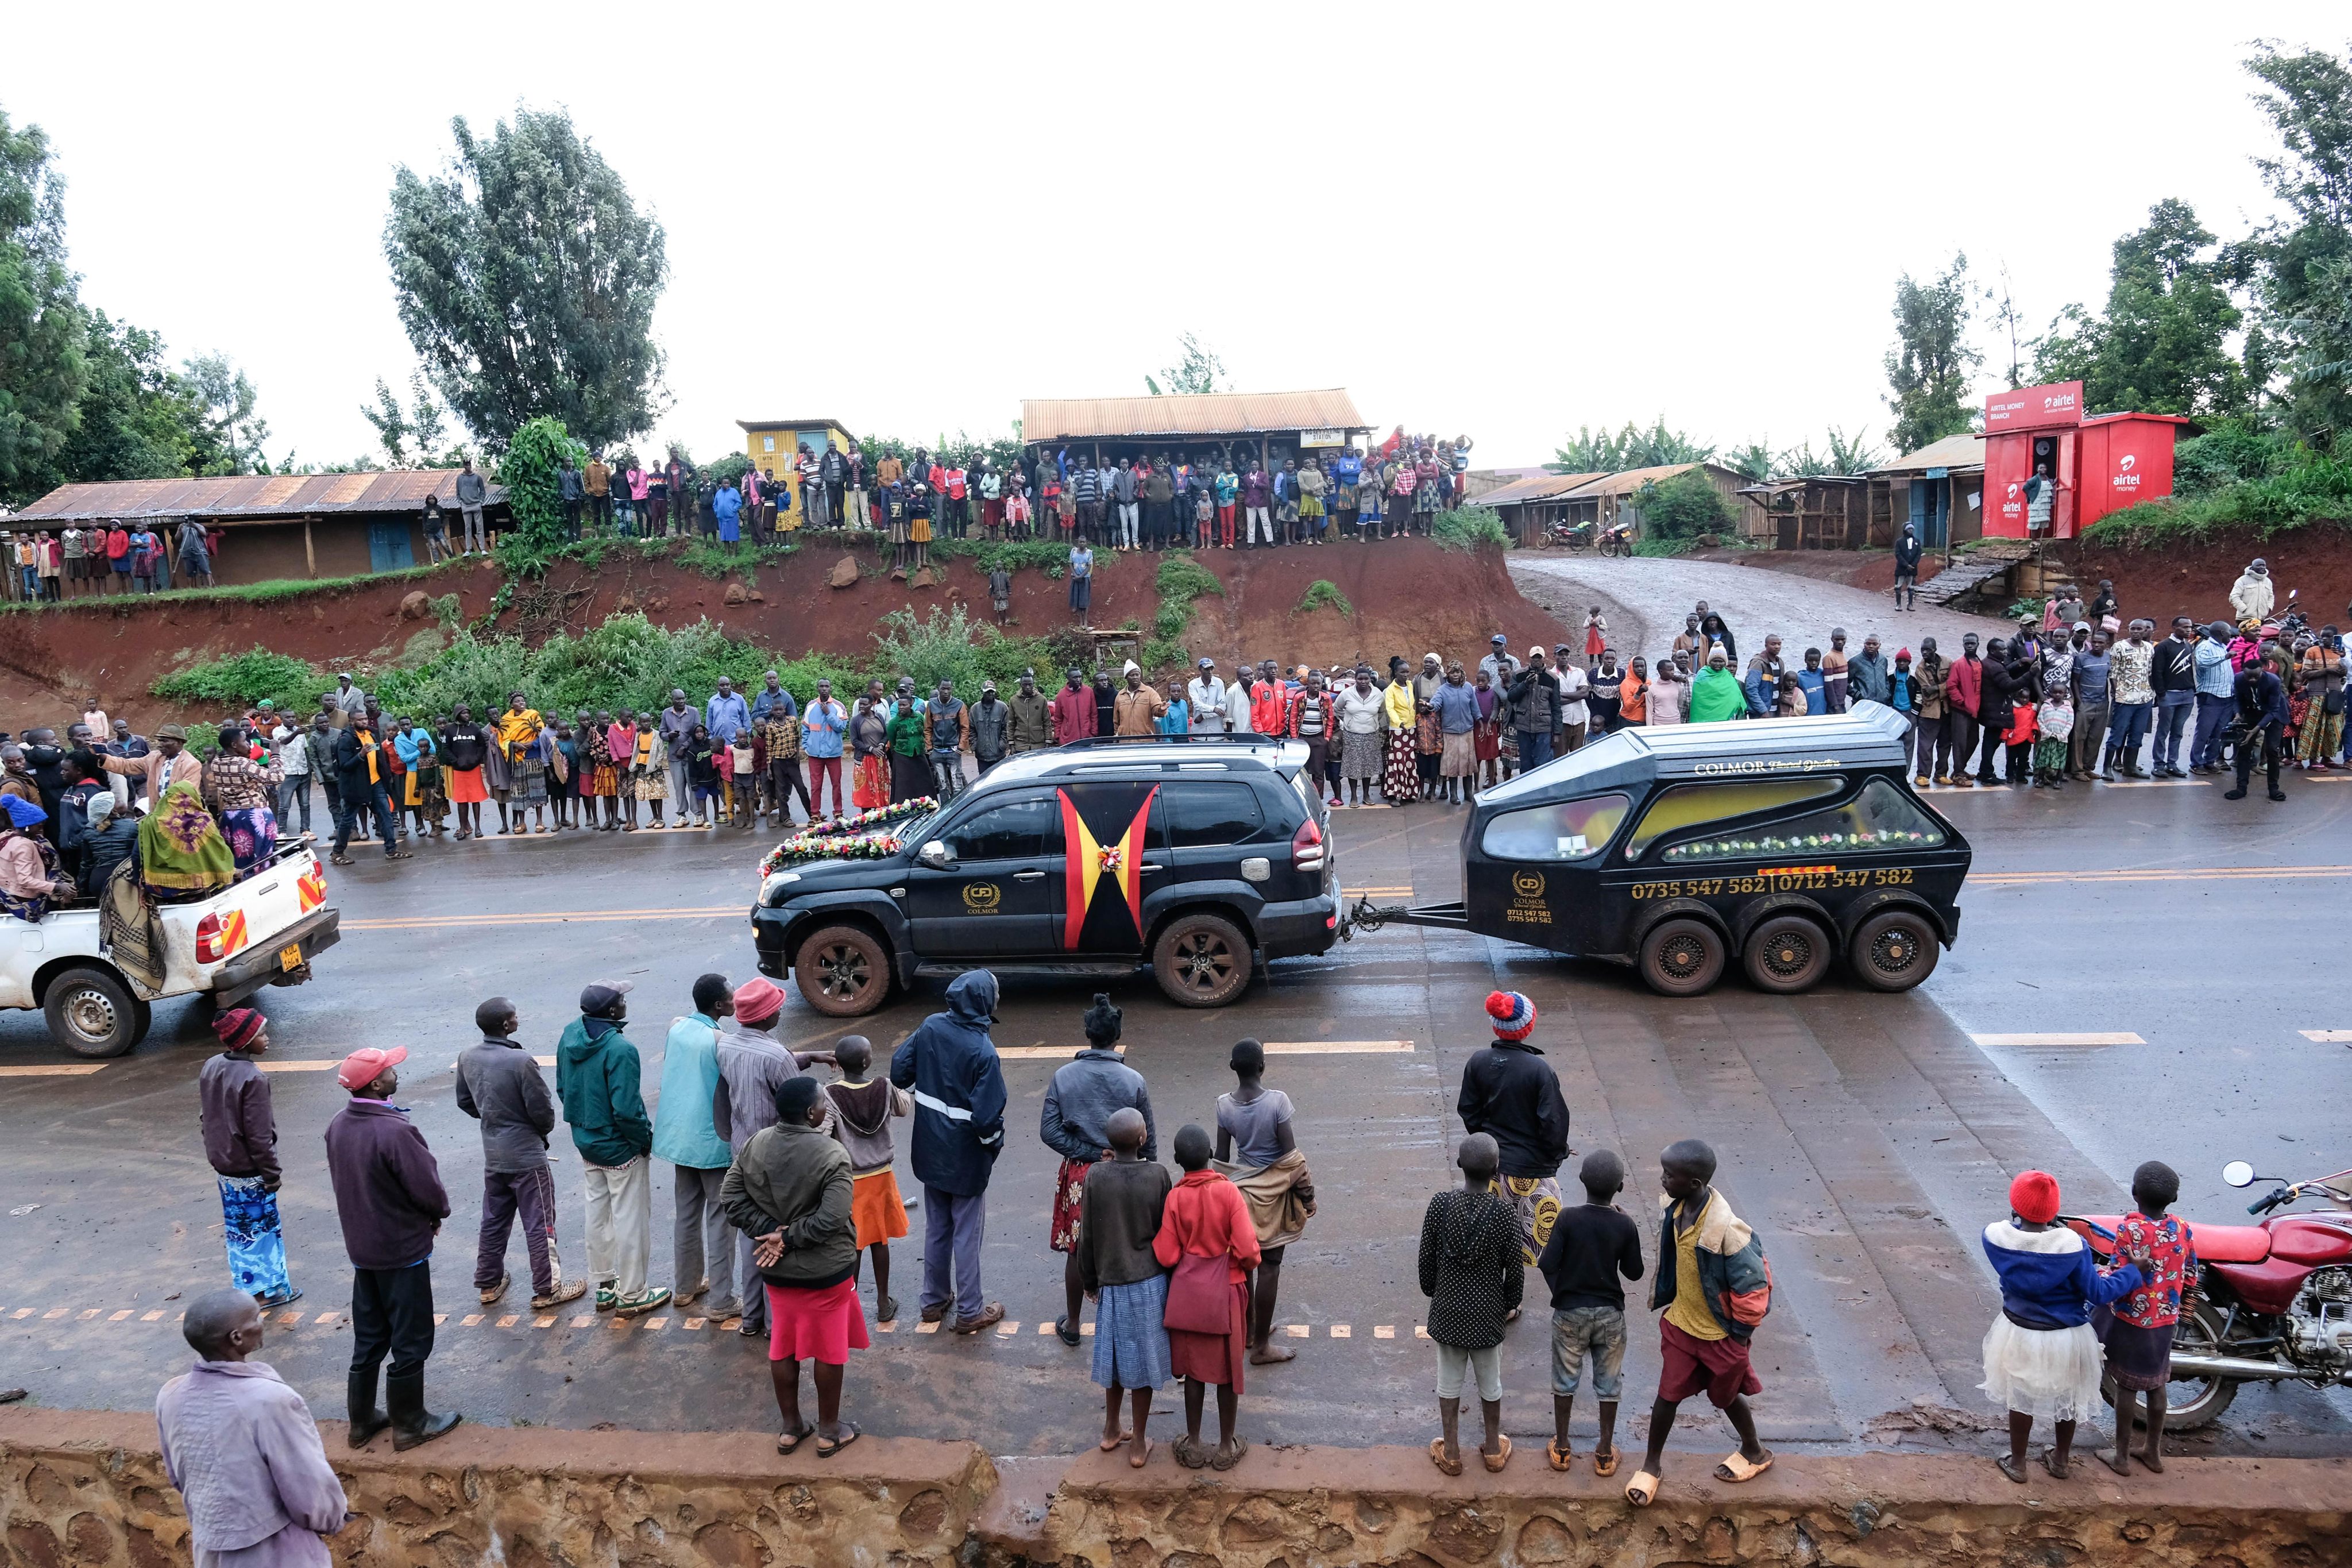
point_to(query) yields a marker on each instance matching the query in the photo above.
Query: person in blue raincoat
(951, 1065)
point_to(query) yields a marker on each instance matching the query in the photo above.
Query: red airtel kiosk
(2102, 463)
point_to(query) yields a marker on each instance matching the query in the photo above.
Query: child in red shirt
(1206, 1216)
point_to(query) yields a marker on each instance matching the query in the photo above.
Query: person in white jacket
(1206, 693)
(2253, 593)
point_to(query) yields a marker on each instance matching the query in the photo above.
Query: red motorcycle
(2273, 1302)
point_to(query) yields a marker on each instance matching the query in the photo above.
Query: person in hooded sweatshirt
(949, 1064)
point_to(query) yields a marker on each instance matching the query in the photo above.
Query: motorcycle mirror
(2238, 1174)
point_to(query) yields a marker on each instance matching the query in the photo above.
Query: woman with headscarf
(29, 873)
(182, 855)
(112, 838)
(1079, 1103)
(1400, 773)
(1428, 742)
(518, 732)
(240, 790)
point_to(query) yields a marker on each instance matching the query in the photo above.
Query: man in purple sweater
(242, 1448)
(388, 1195)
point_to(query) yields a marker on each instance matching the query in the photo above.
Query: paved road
(1869, 1138)
(1644, 601)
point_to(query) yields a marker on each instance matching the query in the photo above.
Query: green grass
(2235, 486)
(292, 684)
(1663, 548)
(1180, 581)
(1324, 594)
(1471, 528)
(274, 591)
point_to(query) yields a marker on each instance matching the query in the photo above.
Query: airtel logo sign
(2129, 461)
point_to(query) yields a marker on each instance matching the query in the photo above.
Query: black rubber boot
(412, 1424)
(366, 1419)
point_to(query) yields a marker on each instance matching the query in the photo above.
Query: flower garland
(861, 836)
(1770, 844)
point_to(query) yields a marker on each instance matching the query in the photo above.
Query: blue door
(388, 547)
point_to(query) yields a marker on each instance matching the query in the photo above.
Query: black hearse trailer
(1785, 842)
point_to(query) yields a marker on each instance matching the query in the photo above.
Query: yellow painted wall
(786, 444)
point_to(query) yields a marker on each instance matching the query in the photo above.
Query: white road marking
(2095, 1039)
(2328, 1036)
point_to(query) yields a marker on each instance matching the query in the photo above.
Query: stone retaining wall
(86, 1490)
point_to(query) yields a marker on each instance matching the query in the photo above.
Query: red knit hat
(2033, 1196)
(1514, 1015)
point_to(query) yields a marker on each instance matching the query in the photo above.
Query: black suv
(1202, 858)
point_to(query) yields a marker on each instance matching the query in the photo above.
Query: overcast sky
(1507, 220)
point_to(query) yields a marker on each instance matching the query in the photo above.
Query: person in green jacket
(910, 771)
(598, 1078)
(1716, 693)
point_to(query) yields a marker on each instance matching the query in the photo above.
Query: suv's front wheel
(1201, 961)
(843, 970)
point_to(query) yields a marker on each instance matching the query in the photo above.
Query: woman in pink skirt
(790, 1191)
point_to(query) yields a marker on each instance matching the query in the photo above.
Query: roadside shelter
(771, 442)
(1811, 512)
(1609, 498)
(1530, 506)
(2101, 462)
(1268, 425)
(1939, 489)
(277, 525)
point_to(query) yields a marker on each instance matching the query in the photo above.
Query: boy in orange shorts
(862, 1108)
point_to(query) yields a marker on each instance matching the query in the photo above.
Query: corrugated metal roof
(1961, 451)
(1536, 488)
(257, 496)
(1202, 414)
(1627, 481)
(818, 424)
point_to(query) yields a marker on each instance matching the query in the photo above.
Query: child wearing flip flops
(2041, 1357)
(1473, 1272)
(1713, 1287)
(1591, 1246)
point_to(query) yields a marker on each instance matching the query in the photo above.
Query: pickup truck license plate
(289, 957)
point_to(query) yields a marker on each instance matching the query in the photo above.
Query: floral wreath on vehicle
(861, 836)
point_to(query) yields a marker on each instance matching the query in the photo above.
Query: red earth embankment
(1404, 596)
(2194, 579)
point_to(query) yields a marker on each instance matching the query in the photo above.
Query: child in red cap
(2040, 1356)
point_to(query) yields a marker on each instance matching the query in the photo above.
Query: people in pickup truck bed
(29, 873)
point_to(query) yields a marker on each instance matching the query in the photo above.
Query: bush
(2305, 488)
(1180, 581)
(2231, 453)
(1471, 528)
(292, 684)
(534, 457)
(1683, 507)
(1322, 595)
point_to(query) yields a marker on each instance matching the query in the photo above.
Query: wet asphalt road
(1868, 1138)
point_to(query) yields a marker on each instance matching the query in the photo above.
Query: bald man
(242, 1448)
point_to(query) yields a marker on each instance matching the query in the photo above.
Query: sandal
(1559, 1458)
(1605, 1465)
(2007, 1465)
(1437, 1457)
(1494, 1462)
(1642, 1489)
(788, 1441)
(825, 1450)
(1229, 1453)
(1190, 1453)
(1738, 1467)
(2059, 1470)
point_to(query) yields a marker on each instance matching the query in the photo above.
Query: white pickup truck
(261, 930)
